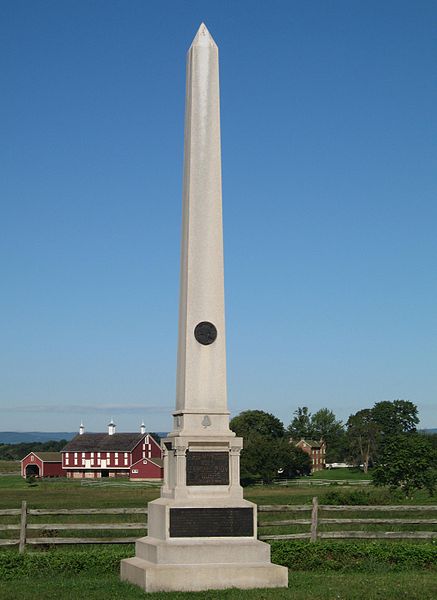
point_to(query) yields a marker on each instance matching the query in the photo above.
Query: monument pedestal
(196, 565)
(202, 533)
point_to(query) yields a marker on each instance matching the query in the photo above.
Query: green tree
(300, 426)
(430, 437)
(324, 425)
(320, 425)
(408, 462)
(267, 452)
(363, 435)
(398, 416)
(268, 458)
(257, 421)
(299, 463)
(20, 450)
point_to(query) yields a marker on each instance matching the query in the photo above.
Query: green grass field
(345, 473)
(410, 585)
(357, 583)
(10, 466)
(63, 493)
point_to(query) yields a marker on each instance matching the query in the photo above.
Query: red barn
(95, 455)
(147, 468)
(42, 464)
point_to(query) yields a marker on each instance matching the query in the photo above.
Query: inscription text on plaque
(207, 468)
(211, 522)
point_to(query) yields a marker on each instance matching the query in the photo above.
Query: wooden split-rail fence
(49, 531)
(317, 518)
(25, 527)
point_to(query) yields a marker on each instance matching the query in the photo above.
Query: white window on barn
(66, 455)
(92, 454)
(83, 454)
(75, 455)
(125, 454)
(116, 462)
(98, 454)
(135, 471)
(66, 461)
(75, 461)
(116, 455)
(125, 461)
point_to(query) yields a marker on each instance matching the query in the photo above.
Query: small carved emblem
(206, 421)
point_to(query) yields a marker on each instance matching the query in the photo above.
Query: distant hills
(17, 437)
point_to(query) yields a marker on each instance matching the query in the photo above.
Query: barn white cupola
(111, 427)
(142, 428)
(81, 428)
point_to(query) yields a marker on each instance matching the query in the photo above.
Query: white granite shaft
(201, 371)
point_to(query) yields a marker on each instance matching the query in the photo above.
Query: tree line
(22, 449)
(384, 437)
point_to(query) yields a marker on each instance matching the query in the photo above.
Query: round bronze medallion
(205, 333)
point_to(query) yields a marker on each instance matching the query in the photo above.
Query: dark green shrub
(336, 555)
(101, 560)
(360, 497)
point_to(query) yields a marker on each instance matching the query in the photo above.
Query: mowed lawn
(63, 493)
(410, 585)
(349, 473)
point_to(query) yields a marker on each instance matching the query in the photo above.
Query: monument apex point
(203, 37)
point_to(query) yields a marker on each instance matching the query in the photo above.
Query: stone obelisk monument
(201, 532)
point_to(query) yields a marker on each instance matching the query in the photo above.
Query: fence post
(314, 518)
(23, 526)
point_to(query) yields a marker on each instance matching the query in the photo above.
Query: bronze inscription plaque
(207, 468)
(211, 522)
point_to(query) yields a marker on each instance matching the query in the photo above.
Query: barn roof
(49, 456)
(90, 442)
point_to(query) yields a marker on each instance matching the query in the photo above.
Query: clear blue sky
(329, 191)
